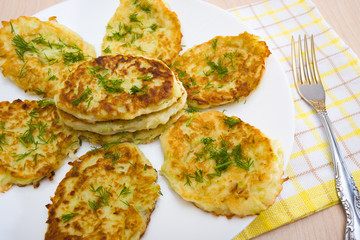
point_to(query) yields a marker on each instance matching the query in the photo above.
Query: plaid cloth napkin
(311, 185)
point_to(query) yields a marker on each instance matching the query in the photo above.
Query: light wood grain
(343, 16)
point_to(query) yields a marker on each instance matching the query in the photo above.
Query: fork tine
(307, 62)
(301, 63)
(314, 65)
(293, 55)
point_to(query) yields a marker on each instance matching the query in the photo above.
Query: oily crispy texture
(109, 194)
(208, 162)
(222, 70)
(118, 87)
(143, 27)
(138, 137)
(37, 55)
(143, 122)
(33, 142)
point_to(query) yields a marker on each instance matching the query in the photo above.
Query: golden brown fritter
(37, 55)
(33, 142)
(222, 164)
(109, 194)
(143, 27)
(222, 70)
(118, 87)
(143, 122)
(138, 137)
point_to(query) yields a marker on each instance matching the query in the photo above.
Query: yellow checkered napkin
(311, 185)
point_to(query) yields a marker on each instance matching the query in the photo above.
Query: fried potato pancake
(143, 122)
(118, 87)
(222, 70)
(138, 137)
(143, 27)
(37, 55)
(222, 164)
(109, 194)
(33, 142)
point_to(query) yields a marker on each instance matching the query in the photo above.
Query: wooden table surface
(343, 16)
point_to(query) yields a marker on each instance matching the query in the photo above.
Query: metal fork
(310, 88)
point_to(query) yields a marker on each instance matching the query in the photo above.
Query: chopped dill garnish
(145, 8)
(21, 156)
(22, 142)
(139, 48)
(34, 114)
(133, 18)
(231, 121)
(197, 176)
(40, 40)
(23, 70)
(21, 46)
(66, 217)
(52, 78)
(217, 68)
(231, 56)
(181, 74)
(191, 110)
(190, 120)
(146, 78)
(35, 157)
(112, 86)
(83, 97)
(186, 85)
(2, 141)
(123, 31)
(125, 202)
(139, 91)
(153, 27)
(124, 191)
(113, 156)
(107, 50)
(224, 155)
(208, 85)
(45, 102)
(72, 57)
(93, 205)
(39, 91)
(102, 196)
(214, 43)
(188, 181)
(12, 28)
(193, 83)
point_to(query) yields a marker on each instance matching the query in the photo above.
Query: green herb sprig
(66, 217)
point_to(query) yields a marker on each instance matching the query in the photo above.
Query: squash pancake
(37, 55)
(138, 137)
(33, 142)
(222, 164)
(222, 70)
(109, 194)
(118, 87)
(143, 122)
(143, 27)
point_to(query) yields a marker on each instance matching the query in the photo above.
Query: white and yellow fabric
(311, 185)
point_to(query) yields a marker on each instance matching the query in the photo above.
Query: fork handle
(345, 184)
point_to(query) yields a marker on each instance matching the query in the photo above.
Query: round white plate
(269, 108)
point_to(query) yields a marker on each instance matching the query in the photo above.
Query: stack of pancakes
(121, 98)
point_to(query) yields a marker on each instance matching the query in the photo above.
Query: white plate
(269, 108)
